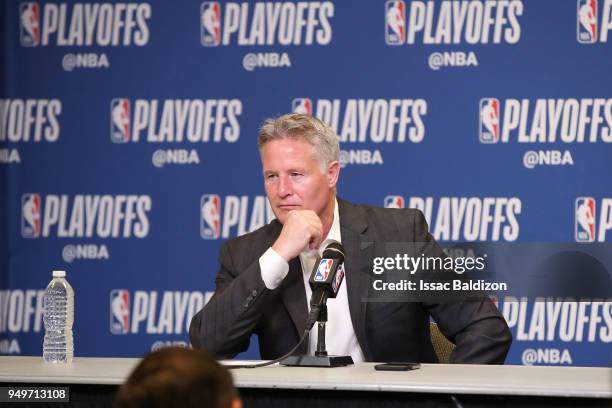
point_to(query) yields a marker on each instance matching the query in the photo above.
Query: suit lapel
(352, 228)
(293, 295)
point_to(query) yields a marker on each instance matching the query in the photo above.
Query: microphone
(325, 279)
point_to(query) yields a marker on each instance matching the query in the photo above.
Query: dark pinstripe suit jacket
(242, 305)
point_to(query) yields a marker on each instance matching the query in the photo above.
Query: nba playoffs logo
(120, 311)
(489, 120)
(323, 270)
(30, 216)
(302, 105)
(585, 219)
(586, 23)
(394, 201)
(210, 216)
(395, 22)
(29, 24)
(120, 120)
(210, 30)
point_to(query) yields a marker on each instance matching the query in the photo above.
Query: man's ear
(333, 172)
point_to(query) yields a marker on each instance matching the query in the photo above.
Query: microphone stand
(321, 358)
(321, 352)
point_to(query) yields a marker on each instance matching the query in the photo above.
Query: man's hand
(302, 228)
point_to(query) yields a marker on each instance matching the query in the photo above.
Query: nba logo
(210, 30)
(30, 215)
(120, 311)
(584, 229)
(394, 201)
(489, 120)
(120, 120)
(29, 24)
(395, 22)
(586, 21)
(210, 217)
(323, 270)
(302, 105)
(339, 277)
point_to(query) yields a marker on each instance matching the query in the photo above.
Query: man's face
(293, 178)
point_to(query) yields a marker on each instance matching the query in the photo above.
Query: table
(96, 380)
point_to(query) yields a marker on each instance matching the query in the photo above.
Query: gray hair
(303, 127)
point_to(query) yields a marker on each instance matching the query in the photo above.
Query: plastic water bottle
(58, 345)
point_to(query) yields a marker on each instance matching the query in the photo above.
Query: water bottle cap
(59, 274)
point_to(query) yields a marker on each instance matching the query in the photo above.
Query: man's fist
(302, 228)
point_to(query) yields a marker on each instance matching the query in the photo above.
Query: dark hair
(177, 377)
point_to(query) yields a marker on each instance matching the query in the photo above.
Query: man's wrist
(279, 251)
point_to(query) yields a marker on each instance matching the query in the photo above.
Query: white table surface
(430, 378)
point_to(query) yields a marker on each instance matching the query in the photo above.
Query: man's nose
(285, 187)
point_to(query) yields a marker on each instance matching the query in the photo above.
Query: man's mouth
(288, 207)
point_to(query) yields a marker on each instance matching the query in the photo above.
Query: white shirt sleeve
(273, 268)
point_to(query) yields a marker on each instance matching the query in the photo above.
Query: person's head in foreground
(178, 377)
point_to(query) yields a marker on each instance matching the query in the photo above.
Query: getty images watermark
(424, 265)
(423, 272)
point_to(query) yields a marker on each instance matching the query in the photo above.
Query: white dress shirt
(340, 338)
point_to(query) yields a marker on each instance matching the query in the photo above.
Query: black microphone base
(317, 361)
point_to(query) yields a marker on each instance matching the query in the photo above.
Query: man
(178, 377)
(262, 282)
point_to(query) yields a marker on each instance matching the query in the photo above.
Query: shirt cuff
(273, 268)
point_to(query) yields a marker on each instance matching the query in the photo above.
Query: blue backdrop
(128, 146)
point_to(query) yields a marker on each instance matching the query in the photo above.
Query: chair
(442, 346)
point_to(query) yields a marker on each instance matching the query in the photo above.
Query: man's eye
(295, 174)
(270, 177)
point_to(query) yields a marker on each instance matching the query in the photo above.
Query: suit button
(254, 293)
